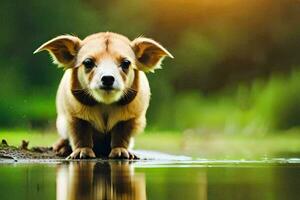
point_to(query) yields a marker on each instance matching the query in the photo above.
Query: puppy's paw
(82, 153)
(62, 148)
(120, 152)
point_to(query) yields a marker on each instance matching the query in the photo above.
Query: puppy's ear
(63, 49)
(149, 54)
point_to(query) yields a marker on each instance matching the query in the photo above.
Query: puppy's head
(105, 62)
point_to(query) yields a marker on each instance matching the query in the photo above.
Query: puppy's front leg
(81, 139)
(120, 139)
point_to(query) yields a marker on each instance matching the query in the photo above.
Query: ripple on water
(159, 159)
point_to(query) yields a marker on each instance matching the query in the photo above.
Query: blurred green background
(236, 68)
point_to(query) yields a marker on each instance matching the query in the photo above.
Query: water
(181, 179)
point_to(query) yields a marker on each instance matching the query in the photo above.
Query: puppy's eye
(88, 63)
(125, 64)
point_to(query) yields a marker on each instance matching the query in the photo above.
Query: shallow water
(153, 179)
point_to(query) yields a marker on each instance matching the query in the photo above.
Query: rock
(4, 143)
(24, 145)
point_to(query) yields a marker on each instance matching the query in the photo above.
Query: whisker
(84, 91)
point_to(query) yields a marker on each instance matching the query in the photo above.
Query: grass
(224, 146)
(212, 146)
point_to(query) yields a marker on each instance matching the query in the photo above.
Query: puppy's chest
(104, 121)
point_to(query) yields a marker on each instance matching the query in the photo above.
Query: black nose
(107, 81)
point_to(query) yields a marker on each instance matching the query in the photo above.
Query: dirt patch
(23, 152)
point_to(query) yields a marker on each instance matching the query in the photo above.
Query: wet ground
(161, 176)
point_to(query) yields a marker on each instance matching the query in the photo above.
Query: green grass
(283, 144)
(36, 138)
(219, 146)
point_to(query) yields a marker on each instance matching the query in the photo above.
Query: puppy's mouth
(107, 95)
(107, 88)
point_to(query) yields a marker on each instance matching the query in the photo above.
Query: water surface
(176, 180)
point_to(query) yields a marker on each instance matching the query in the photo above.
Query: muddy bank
(23, 152)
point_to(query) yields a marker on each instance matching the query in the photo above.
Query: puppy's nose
(107, 81)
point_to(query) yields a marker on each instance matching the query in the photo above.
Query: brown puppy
(104, 94)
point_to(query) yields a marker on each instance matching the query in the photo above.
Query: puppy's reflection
(99, 180)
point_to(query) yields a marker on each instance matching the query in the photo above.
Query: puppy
(104, 94)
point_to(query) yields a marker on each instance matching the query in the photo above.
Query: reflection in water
(178, 181)
(99, 180)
